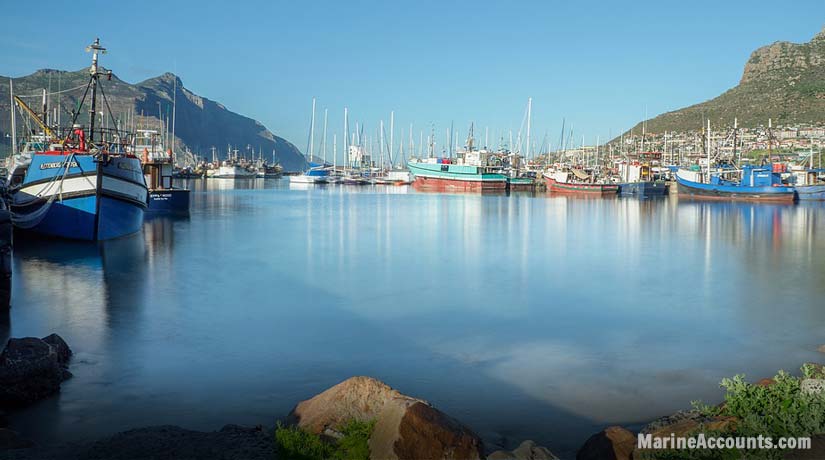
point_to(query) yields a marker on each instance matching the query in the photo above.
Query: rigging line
(111, 115)
(51, 93)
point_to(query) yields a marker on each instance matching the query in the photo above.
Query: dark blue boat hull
(169, 201)
(768, 193)
(95, 200)
(810, 192)
(647, 189)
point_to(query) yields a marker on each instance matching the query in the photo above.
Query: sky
(600, 66)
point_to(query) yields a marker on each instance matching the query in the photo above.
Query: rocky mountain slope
(783, 81)
(200, 123)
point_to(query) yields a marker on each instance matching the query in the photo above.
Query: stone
(812, 386)
(11, 440)
(766, 382)
(405, 427)
(612, 443)
(687, 427)
(31, 369)
(527, 450)
(64, 353)
(821, 348)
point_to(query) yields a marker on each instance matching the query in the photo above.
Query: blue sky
(600, 65)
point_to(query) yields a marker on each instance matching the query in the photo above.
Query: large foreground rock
(612, 443)
(32, 369)
(406, 428)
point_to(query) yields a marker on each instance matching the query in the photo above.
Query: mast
(13, 113)
(95, 48)
(735, 129)
(174, 112)
(311, 134)
(529, 110)
(334, 151)
(392, 132)
(709, 144)
(324, 140)
(346, 138)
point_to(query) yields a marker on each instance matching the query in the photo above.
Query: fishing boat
(636, 180)
(164, 198)
(809, 182)
(473, 171)
(520, 183)
(756, 183)
(80, 183)
(576, 181)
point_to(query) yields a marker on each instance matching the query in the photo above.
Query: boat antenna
(95, 48)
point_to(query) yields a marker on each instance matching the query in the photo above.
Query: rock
(766, 382)
(31, 369)
(821, 348)
(668, 420)
(425, 432)
(232, 442)
(11, 440)
(691, 425)
(812, 386)
(527, 450)
(405, 428)
(64, 353)
(816, 452)
(613, 443)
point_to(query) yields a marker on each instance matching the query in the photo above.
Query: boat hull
(700, 191)
(455, 178)
(810, 192)
(520, 184)
(169, 201)
(645, 189)
(95, 201)
(581, 189)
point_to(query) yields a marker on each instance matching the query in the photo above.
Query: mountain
(783, 81)
(200, 123)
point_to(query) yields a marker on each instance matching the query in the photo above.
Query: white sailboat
(316, 174)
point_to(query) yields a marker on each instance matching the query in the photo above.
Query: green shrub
(777, 410)
(297, 444)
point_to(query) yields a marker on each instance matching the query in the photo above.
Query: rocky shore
(402, 427)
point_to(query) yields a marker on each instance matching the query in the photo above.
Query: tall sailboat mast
(324, 140)
(709, 144)
(529, 114)
(311, 134)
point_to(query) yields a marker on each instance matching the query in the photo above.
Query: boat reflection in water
(548, 302)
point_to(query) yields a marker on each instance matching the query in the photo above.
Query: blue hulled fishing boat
(79, 183)
(755, 184)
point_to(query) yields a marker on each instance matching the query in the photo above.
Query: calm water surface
(524, 317)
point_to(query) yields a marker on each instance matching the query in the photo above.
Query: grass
(295, 443)
(777, 410)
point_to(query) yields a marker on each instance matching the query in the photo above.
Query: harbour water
(526, 317)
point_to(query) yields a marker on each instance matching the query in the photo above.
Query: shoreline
(32, 369)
